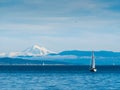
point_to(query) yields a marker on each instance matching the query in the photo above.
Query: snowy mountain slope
(35, 50)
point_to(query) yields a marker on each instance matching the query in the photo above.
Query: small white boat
(43, 63)
(92, 67)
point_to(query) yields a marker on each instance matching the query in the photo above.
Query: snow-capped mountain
(35, 50)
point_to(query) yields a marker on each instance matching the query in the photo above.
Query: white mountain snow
(35, 50)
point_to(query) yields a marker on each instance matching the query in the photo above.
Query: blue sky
(60, 24)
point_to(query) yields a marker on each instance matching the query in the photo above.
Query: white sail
(93, 60)
(92, 68)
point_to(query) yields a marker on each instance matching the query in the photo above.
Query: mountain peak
(39, 47)
(36, 46)
(37, 50)
(34, 50)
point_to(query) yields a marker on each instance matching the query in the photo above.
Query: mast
(92, 68)
(93, 60)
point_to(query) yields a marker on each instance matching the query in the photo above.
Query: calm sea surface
(60, 79)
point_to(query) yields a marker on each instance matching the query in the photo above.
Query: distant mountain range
(38, 51)
(88, 53)
(40, 55)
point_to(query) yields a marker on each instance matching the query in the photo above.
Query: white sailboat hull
(93, 70)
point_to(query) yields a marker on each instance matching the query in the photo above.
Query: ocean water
(54, 78)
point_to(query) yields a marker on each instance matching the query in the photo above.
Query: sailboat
(92, 67)
(43, 63)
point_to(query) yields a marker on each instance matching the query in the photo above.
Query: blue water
(56, 79)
